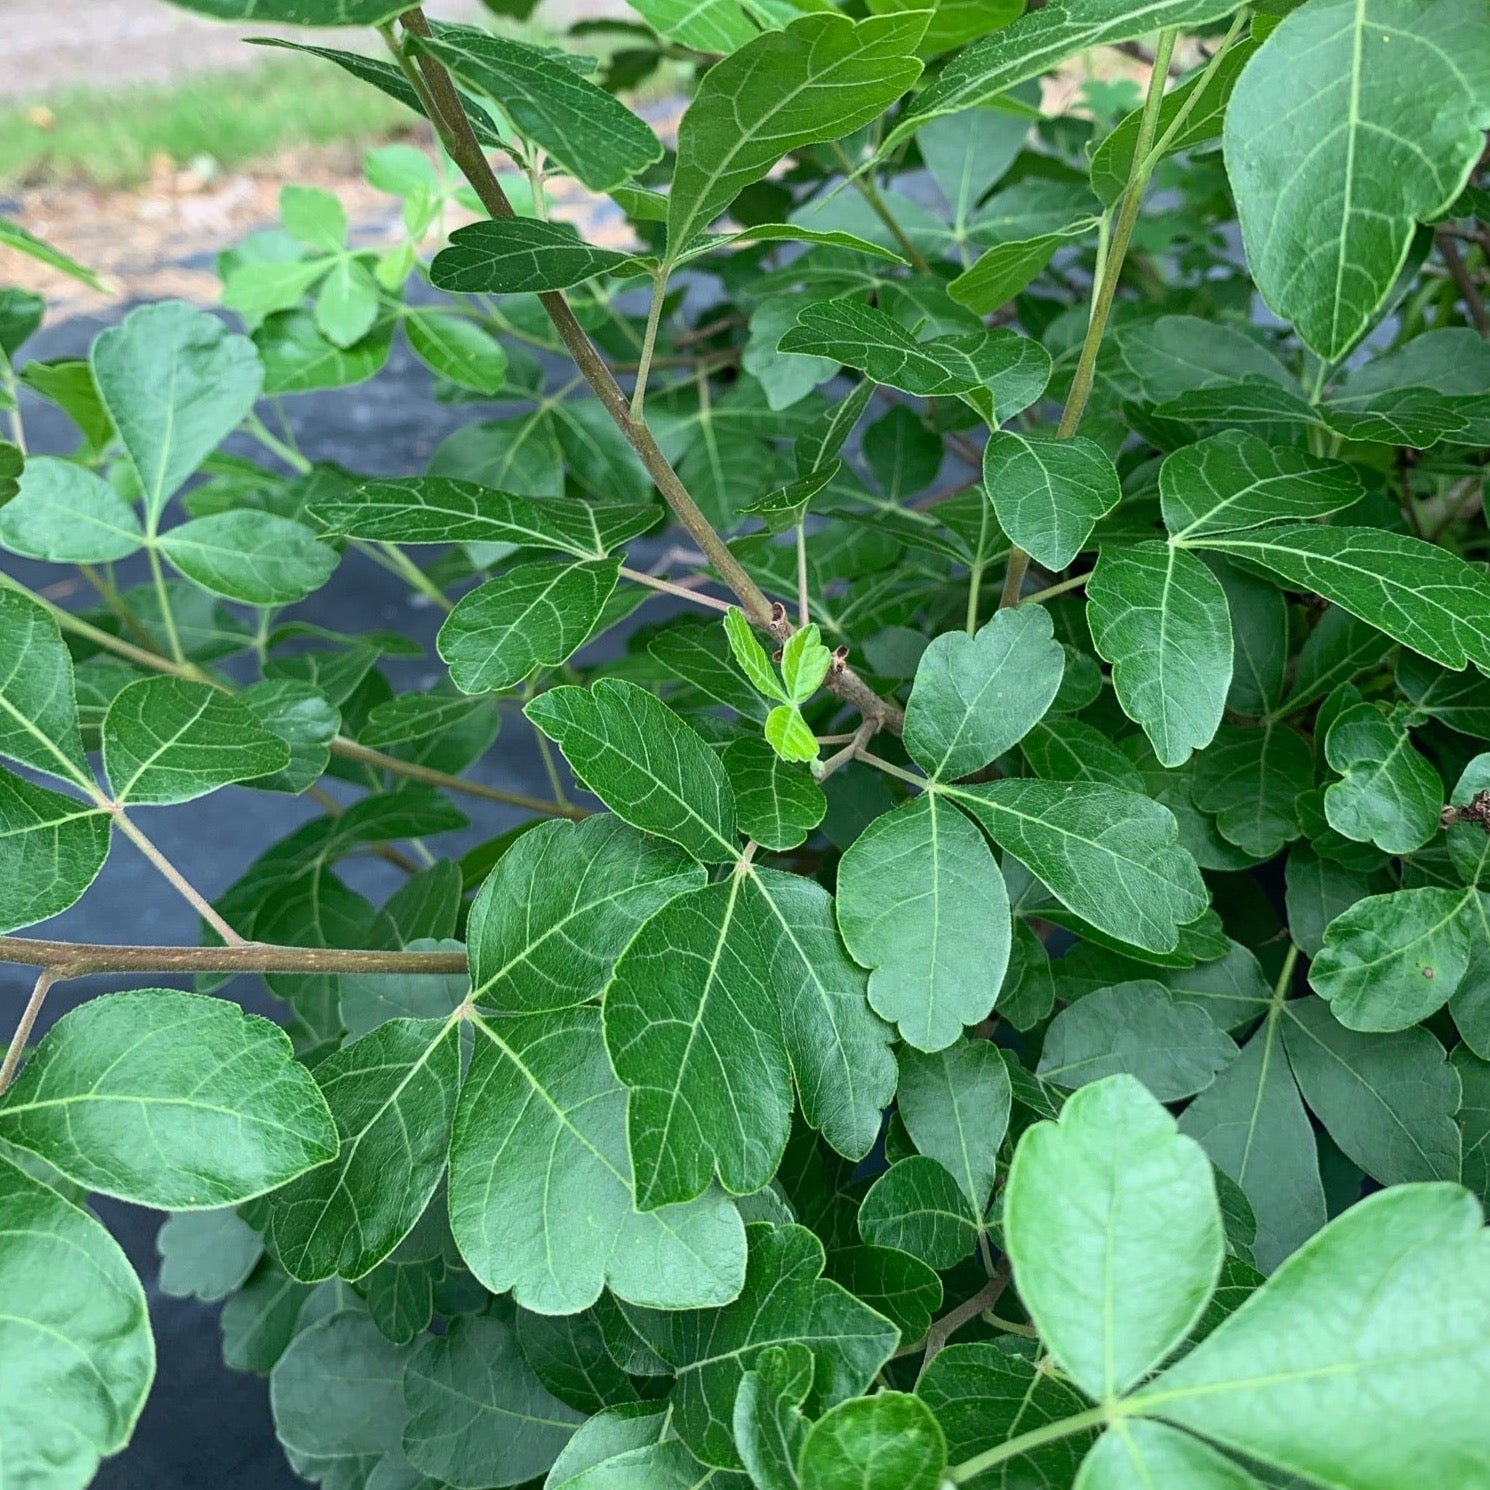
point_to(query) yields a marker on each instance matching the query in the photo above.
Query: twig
(857, 741)
(1474, 302)
(18, 1041)
(953, 1320)
(64, 960)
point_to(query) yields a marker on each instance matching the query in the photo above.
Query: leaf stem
(1084, 378)
(970, 1469)
(1064, 587)
(17, 1046)
(866, 188)
(804, 599)
(65, 960)
(669, 587)
(175, 878)
(167, 617)
(649, 344)
(272, 443)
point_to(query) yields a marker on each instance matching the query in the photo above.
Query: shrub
(1000, 990)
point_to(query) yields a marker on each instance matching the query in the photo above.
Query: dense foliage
(1000, 992)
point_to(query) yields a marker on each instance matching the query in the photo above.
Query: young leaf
(790, 735)
(1048, 493)
(51, 849)
(1110, 856)
(754, 662)
(176, 382)
(38, 706)
(838, 1047)
(1159, 616)
(649, 767)
(116, 1097)
(170, 740)
(1391, 960)
(254, 557)
(915, 1206)
(561, 905)
(976, 697)
(67, 515)
(76, 1357)
(1112, 1225)
(955, 1105)
(804, 664)
(541, 1181)
(886, 1442)
(1423, 596)
(785, 1297)
(1232, 481)
(1137, 1029)
(519, 256)
(392, 1096)
(1309, 1377)
(534, 615)
(588, 131)
(1387, 1100)
(1389, 795)
(818, 79)
(923, 905)
(1393, 135)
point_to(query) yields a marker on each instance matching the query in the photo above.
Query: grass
(107, 138)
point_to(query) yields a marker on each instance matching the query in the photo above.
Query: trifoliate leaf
(922, 904)
(976, 697)
(116, 1097)
(1112, 1225)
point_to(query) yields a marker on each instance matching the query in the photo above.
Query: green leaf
(1346, 1367)
(297, 12)
(206, 1254)
(1420, 595)
(392, 1097)
(768, 1423)
(820, 443)
(1160, 617)
(51, 849)
(299, 359)
(1048, 493)
(650, 768)
(868, 339)
(458, 350)
(1110, 856)
(439, 509)
(520, 256)
(300, 715)
(778, 803)
(170, 740)
(347, 303)
(983, 1396)
(1039, 40)
(534, 615)
(976, 697)
(586, 130)
(694, 1033)
(1251, 1121)
(886, 1442)
(1387, 1100)
(1252, 780)
(38, 707)
(1138, 1454)
(819, 79)
(1138, 1029)
(67, 515)
(76, 1357)
(561, 906)
(751, 656)
(785, 1298)
(790, 735)
(804, 663)
(477, 1414)
(14, 236)
(315, 216)
(955, 1105)
(176, 382)
(837, 1046)
(1171, 356)
(117, 1097)
(259, 1320)
(633, 1447)
(1390, 960)
(1393, 130)
(1232, 481)
(1112, 1225)
(899, 1286)
(1389, 795)
(923, 905)
(541, 1180)
(915, 1206)
(254, 557)
(1008, 267)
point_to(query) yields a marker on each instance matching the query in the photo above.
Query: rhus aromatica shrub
(997, 992)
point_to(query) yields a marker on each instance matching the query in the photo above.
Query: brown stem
(18, 1041)
(460, 141)
(77, 959)
(954, 1319)
(1474, 302)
